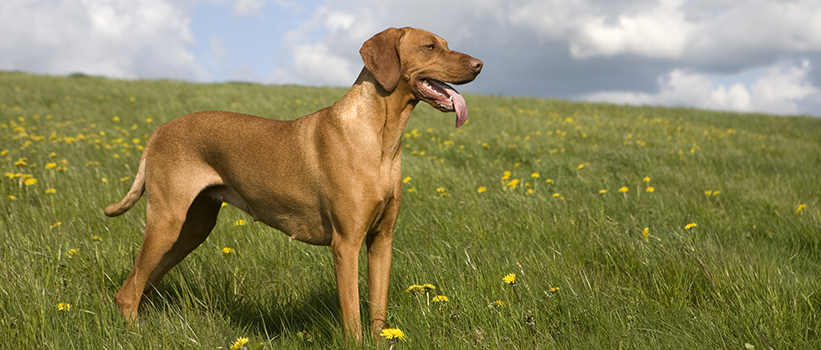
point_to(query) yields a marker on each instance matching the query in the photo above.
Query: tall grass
(553, 191)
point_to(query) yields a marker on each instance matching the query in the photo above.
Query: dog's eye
(430, 46)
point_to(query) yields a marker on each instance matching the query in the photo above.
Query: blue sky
(736, 55)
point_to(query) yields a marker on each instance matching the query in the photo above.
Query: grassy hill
(590, 205)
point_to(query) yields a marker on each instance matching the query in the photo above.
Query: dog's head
(420, 62)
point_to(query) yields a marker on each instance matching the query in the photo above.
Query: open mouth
(444, 97)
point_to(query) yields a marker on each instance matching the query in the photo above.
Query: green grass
(748, 274)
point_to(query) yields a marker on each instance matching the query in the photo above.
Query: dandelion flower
(623, 189)
(63, 306)
(534, 175)
(51, 165)
(13, 198)
(650, 189)
(21, 162)
(580, 167)
(239, 342)
(30, 181)
(512, 184)
(428, 287)
(239, 222)
(392, 334)
(115, 118)
(415, 290)
(97, 239)
(646, 179)
(72, 252)
(56, 225)
(405, 180)
(646, 234)
(708, 193)
(227, 250)
(51, 191)
(509, 279)
(506, 175)
(497, 304)
(602, 191)
(440, 298)
(548, 181)
(556, 195)
(690, 225)
(800, 208)
(481, 189)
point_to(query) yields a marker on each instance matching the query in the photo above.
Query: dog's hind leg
(169, 236)
(200, 220)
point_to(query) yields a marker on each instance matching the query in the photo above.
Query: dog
(328, 178)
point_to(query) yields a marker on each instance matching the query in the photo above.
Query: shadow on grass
(270, 313)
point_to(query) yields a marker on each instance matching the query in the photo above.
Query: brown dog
(327, 178)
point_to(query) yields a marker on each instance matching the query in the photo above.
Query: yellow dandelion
(405, 180)
(393, 334)
(556, 195)
(149, 120)
(534, 175)
(4, 152)
(239, 222)
(715, 193)
(30, 181)
(509, 279)
(708, 193)
(410, 190)
(506, 175)
(97, 239)
(56, 224)
(135, 140)
(51, 191)
(548, 181)
(481, 189)
(580, 167)
(13, 198)
(51, 165)
(125, 178)
(623, 189)
(554, 289)
(115, 118)
(440, 190)
(800, 208)
(529, 191)
(651, 189)
(21, 162)
(227, 250)
(240, 341)
(72, 252)
(512, 184)
(104, 180)
(690, 225)
(497, 304)
(63, 306)
(646, 234)
(646, 179)
(427, 287)
(602, 191)
(440, 298)
(132, 98)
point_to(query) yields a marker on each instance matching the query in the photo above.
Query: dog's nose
(476, 64)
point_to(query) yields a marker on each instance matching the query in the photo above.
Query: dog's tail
(133, 194)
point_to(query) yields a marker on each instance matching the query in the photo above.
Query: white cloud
(117, 38)
(247, 7)
(781, 90)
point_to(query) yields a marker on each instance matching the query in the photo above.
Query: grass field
(587, 204)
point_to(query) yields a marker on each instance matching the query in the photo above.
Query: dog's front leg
(346, 266)
(380, 249)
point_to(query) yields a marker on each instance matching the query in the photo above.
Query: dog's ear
(381, 56)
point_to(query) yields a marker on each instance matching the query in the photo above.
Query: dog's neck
(394, 110)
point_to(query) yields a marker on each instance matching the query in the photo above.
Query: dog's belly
(301, 225)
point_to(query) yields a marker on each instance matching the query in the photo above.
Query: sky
(732, 55)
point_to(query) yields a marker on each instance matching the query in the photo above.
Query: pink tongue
(459, 105)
